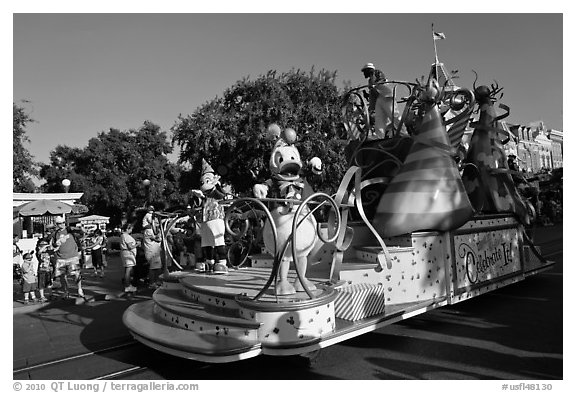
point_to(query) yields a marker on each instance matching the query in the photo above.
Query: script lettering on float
(485, 256)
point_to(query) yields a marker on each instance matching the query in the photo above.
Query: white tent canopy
(93, 219)
(90, 223)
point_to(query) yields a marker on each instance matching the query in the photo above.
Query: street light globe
(146, 182)
(66, 183)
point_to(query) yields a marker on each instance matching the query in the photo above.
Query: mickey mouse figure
(286, 183)
(212, 227)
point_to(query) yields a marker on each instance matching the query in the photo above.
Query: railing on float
(246, 206)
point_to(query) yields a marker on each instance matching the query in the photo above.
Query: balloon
(290, 135)
(274, 131)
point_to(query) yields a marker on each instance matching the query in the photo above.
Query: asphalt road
(513, 333)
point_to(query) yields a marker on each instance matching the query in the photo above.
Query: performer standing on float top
(151, 243)
(381, 103)
(212, 227)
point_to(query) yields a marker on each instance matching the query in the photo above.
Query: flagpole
(434, 40)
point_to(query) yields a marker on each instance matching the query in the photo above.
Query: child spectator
(96, 251)
(16, 258)
(44, 267)
(29, 277)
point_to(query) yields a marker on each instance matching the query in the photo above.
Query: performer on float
(212, 227)
(381, 103)
(286, 183)
(152, 247)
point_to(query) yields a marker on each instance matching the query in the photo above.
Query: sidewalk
(95, 288)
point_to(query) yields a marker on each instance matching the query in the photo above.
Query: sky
(79, 74)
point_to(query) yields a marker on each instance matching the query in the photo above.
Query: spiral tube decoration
(362, 105)
(166, 224)
(296, 223)
(299, 217)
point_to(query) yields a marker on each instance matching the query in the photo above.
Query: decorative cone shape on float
(488, 182)
(427, 193)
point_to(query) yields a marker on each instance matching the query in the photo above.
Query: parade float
(410, 229)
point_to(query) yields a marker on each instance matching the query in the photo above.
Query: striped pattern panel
(427, 193)
(457, 129)
(359, 301)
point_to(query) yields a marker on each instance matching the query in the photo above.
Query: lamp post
(146, 184)
(66, 184)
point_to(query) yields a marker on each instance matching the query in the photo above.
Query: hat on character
(28, 255)
(368, 66)
(208, 178)
(59, 220)
(206, 168)
(150, 208)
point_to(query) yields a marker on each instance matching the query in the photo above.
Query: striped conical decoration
(427, 193)
(488, 182)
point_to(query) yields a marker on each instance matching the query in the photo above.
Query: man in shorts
(66, 255)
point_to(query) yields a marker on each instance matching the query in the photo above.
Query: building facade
(538, 148)
(556, 139)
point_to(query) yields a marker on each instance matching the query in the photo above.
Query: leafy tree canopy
(23, 165)
(110, 171)
(231, 132)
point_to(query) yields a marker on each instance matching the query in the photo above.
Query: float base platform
(225, 318)
(213, 318)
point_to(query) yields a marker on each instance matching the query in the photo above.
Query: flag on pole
(439, 36)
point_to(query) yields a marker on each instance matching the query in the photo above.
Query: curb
(76, 301)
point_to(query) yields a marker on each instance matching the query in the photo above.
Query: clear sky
(85, 73)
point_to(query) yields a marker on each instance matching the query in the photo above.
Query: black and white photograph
(232, 197)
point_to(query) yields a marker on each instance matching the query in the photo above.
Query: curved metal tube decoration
(242, 216)
(345, 197)
(412, 88)
(276, 264)
(169, 222)
(355, 102)
(278, 254)
(296, 223)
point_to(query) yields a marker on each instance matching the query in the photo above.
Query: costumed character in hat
(212, 227)
(381, 103)
(286, 183)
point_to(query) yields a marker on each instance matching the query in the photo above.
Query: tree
(230, 132)
(23, 165)
(110, 171)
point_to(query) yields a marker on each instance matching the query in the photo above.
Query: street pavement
(59, 329)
